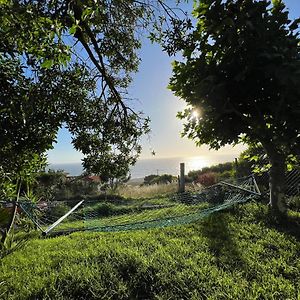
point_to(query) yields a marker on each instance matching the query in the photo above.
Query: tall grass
(154, 190)
(145, 191)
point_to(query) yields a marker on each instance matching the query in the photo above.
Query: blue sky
(152, 97)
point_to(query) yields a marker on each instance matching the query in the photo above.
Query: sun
(195, 114)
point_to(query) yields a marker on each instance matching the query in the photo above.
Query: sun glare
(195, 114)
(197, 163)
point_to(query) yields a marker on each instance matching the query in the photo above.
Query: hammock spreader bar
(255, 184)
(62, 218)
(240, 188)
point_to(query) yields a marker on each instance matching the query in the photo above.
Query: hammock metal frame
(235, 194)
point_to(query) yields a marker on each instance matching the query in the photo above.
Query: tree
(33, 108)
(241, 73)
(44, 35)
(150, 179)
(69, 63)
(102, 38)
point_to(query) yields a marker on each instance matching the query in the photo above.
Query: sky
(150, 94)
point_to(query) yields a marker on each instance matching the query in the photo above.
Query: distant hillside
(135, 181)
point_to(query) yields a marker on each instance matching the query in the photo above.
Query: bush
(220, 168)
(56, 210)
(294, 203)
(225, 175)
(207, 179)
(156, 179)
(150, 178)
(165, 179)
(104, 209)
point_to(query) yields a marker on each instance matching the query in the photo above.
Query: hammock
(62, 217)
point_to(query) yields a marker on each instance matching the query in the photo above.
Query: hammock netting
(59, 217)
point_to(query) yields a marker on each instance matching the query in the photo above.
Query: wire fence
(127, 214)
(130, 214)
(291, 180)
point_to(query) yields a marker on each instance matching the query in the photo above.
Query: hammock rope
(61, 217)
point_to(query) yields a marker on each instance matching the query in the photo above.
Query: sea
(157, 166)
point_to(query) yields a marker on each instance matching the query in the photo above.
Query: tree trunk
(277, 185)
(277, 179)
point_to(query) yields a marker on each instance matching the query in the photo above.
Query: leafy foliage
(158, 179)
(226, 168)
(42, 64)
(47, 82)
(255, 158)
(207, 179)
(57, 186)
(241, 74)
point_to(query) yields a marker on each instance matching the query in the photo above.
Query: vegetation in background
(240, 77)
(223, 170)
(159, 179)
(207, 179)
(46, 83)
(145, 191)
(56, 185)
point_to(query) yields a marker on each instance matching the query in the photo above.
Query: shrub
(207, 179)
(294, 203)
(225, 175)
(156, 179)
(57, 210)
(149, 179)
(220, 168)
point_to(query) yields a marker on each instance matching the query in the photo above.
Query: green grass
(121, 212)
(239, 254)
(110, 215)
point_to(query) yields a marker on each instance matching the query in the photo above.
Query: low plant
(294, 203)
(10, 245)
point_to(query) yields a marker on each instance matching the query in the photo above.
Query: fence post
(181, 179)
(236, 166)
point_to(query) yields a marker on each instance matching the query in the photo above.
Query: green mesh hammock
(60, 217)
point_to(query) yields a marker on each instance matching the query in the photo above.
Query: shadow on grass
(221, 243)
(288, 224)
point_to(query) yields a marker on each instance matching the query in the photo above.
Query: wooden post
(236, 165)
(181, 179)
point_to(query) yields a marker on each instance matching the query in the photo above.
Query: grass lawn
(238, 254)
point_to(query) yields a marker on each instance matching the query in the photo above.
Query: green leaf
(47, 64)
(73, 29)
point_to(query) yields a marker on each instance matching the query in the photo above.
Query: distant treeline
(159, 179)
(207, 175)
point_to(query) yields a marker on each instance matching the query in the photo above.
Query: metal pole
(240, 188)
(255, 184)
(61, 219)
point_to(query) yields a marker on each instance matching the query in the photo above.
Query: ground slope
(237, 254)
